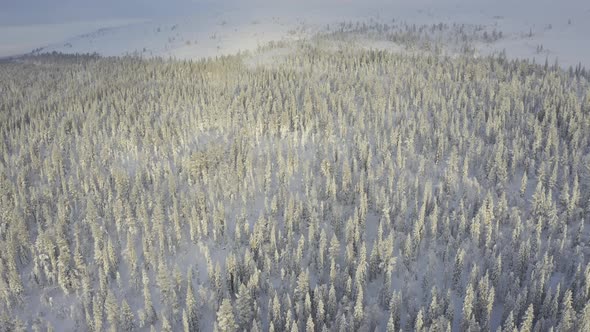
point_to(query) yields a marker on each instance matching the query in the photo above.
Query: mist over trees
(339, 189)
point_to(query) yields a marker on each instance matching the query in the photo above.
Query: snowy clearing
(546, 31)
(19, 39)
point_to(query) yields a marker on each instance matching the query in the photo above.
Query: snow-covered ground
(531, 29)
(16, 39)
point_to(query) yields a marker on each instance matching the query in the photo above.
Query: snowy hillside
(16, 39)
(545, 31)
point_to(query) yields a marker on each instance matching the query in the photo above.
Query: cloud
(47, 11)
(54, 11)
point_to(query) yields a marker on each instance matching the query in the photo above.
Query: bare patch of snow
(20, 39)
(539, 30)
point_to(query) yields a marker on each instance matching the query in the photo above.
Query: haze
(34, 24)
(294, 166)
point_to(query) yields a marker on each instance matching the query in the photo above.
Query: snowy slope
(16, 39)
(207, 34)
(560, 28)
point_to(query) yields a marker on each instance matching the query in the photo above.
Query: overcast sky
(59, 11)
(52, 11)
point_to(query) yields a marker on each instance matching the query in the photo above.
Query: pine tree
(509, 323)
(568, 315)
(276, 312)
(374, 263)
(584, 318)
(332, 303)
(150, 312)
(527, 323)
(127, 318)
(97, 312)
(574, 198)
(302, 285)
(333, 272)
(419, 322)
(320, 310)
(359, 311)
(391, 325)
(309, 326)
(191, 306)
(185, 321)
(244, 305)
(468, 304)
(166, 326)
(307, 305)
(112, 310)
(225, 317)
(458, 269)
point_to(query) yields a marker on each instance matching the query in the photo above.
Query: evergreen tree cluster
(339, 190)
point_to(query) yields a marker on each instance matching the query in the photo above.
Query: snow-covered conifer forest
(307, 186)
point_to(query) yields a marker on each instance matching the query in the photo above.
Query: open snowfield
(16, 39)
(540, 30)
(545, 30)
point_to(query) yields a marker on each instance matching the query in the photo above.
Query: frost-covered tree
(225, 317)
(349, 188)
